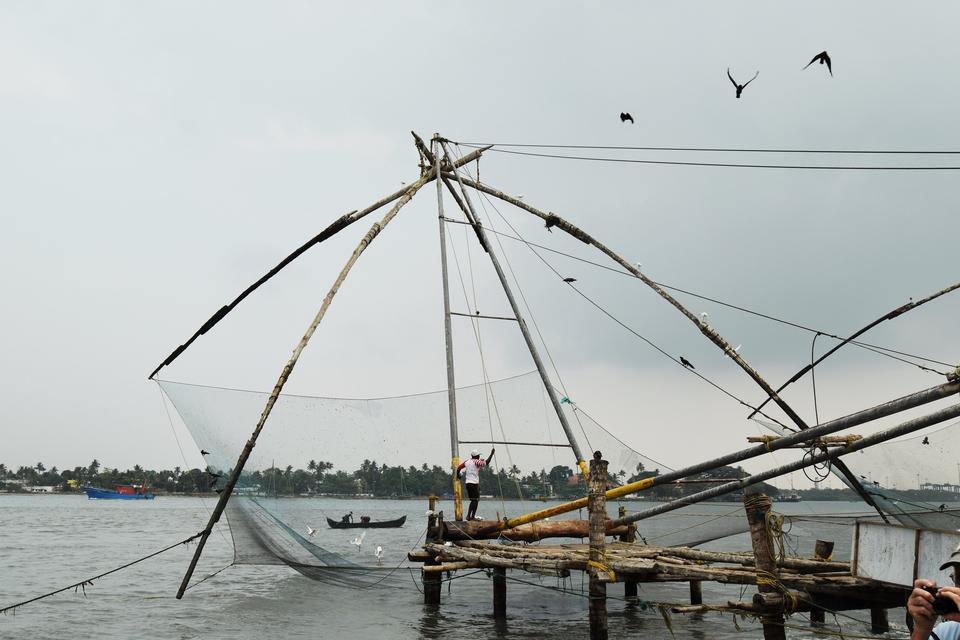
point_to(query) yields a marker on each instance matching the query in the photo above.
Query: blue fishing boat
(122, 492)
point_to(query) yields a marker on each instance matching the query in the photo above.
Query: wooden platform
(828, 583)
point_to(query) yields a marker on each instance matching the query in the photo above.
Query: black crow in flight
(741, 87)
(624, 116)
(824, 59)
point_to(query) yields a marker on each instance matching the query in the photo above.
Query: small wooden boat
(366, 523)
(123, 492)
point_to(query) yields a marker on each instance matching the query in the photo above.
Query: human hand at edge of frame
(920, 608)
(953, 593)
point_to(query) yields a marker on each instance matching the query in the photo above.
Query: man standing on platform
(471, 474)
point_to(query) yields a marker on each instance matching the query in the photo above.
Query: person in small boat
(470, 471)
(920, 606)
(347, 518)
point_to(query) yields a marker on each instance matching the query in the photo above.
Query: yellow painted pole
(612, 494)
(457, 490)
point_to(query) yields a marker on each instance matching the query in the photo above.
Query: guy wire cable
(864, 345)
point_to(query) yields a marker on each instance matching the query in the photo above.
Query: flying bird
(379, 554)
(686, 363)
(568, 280)
(204, 453)
(926, 440)
(741, 87)
(311, 531)
(624, 116)
(824, 59)
(359, 540)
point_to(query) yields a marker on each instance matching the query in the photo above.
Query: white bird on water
(359, 540)
(311, 531)
(379, 554)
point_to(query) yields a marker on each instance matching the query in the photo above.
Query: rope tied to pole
(768, 579)
(603, 568)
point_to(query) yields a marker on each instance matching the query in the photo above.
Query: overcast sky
(157, 158)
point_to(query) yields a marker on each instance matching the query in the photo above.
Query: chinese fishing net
(912, 479)
(320, 460)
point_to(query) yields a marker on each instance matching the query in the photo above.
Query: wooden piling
(432, 580)
(758, 507)
(696, 592)
(499, 593)
(823, 550)
(878, 620)
(597, 506)
(629, 586)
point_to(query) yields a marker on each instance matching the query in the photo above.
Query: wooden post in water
(629, 586)
(432, 581)
(758, 507)
(696, 592)
(878, 620)
(499, 593)
(597, 506)
(822, 550)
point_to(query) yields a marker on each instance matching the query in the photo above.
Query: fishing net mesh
(913, 479)
(342, 451)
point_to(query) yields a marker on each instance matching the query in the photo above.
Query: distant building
(946, 487)
(42, 489)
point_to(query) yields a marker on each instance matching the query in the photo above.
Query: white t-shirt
(471, 470)
(948, 630)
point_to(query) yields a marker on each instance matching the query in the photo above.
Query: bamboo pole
(881, 436)
(467, 206)
(332, 229)
(890, 316)
(285, 374)
(598, 555)
(708, 331)
(891, 407)
(448, 343)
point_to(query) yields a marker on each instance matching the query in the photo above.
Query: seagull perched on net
(359, 540)
(379, 554)
(824, 59)
(704, 317)
(311, 531)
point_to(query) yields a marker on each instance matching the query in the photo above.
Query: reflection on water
(47, 542)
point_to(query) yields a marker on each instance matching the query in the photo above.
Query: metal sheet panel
(898, 554)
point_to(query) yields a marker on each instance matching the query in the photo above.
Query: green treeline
(371, 479)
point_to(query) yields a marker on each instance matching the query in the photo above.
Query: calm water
(47, 542)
